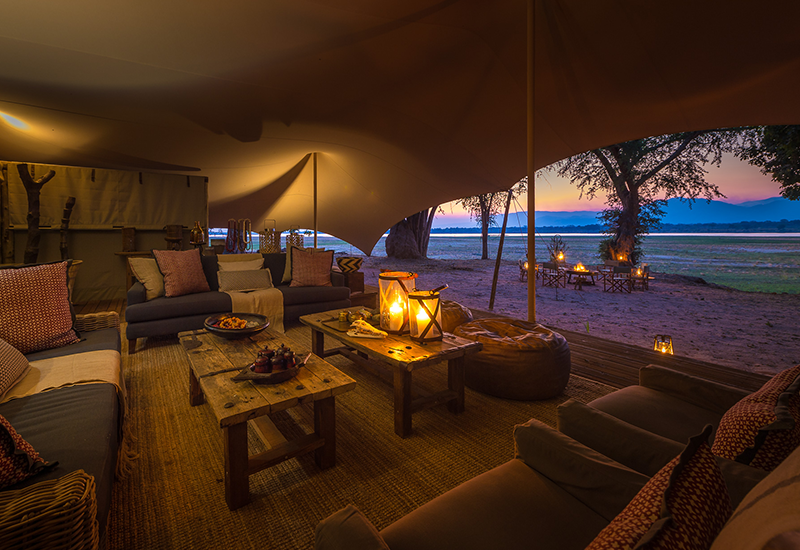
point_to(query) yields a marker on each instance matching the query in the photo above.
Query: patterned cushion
(18, 459)
(683, 506)
(35, 313)
(253, 279)
(287, 272)
(146, 272)
(763, 428)
(311, 268)
(182, 270)
(13, 367)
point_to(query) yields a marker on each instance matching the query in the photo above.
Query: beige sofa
(562, 489)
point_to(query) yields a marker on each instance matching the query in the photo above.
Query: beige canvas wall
(106, 201)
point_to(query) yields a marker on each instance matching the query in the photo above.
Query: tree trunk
(625, 240)
(6, 236)
(65, 227)
(33, 188)
(486, 212)
(408, 238)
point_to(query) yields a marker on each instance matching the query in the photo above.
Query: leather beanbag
(453, 315)
(519, 360)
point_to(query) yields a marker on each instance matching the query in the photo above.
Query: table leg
(317, 342)
(237, 483)
(196, 396)
(456, 374)
(325, 427)
(402, 402)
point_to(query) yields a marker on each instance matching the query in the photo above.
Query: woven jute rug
(174, 497)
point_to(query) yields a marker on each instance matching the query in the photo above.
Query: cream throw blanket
(91, 367)
(267, 302)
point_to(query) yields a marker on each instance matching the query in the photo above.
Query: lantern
(294, 238)
(197, 237)
(425, 315)
(560, 257)
(663, 343)
(394, 289)
(270, 239)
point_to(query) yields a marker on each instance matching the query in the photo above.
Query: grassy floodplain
(759, 262)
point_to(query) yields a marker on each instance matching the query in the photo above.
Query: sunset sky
(737, 180)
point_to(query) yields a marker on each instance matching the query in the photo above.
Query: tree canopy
(776, 150)
(638, 177)
(483, 209)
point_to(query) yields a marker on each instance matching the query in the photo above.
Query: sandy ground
(752, 331)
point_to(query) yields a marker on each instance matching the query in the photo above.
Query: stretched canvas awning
(408, 103)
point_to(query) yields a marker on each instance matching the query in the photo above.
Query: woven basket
(87, 322)
(55, 514)
(269, 239)
(294, 238)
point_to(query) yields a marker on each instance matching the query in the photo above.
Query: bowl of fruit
(235, 325)
(272, 366)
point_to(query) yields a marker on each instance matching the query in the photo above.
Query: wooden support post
(6, 236)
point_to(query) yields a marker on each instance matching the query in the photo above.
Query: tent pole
(531, 168)
(500, 250)
(315, 200)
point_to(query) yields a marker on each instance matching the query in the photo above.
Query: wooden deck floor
(613, 363)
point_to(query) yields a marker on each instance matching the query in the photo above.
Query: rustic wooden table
(403, 357)
(214, 361)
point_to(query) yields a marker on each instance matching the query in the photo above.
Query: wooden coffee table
(214, 361)
(403, 357)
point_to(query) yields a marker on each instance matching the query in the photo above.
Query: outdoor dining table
(582, 277)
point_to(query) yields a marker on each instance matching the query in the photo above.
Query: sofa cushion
(600, 483)
(179, 306)
(146, 272)
(512, 507)
(276, 263)
(763, 428)
(767, 512)
(13, 367)
(287, 272)
(313, 294)
(35, 312)
(667, 416)
(93, 340)
(240, 262)
(242, 281)
(347, 529)
(183, 272)
(311, 268)
(18, 459)
(684, 505)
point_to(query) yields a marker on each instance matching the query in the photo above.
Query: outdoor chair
(619, 279)
(553, 275)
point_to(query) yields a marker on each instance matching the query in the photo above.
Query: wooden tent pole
(315, 200)
(33, 188)
(500, 249)
(531, 167)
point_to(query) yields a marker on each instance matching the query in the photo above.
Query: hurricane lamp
(270, 238)
(425, 316)
(394, 288)
(663, 343)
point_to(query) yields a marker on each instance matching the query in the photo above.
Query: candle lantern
(663, 343)
(425, 316)
(270, 239)
(394, 288)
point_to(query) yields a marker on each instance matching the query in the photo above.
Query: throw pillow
(13, 367)
(35, 312)
(684, 505)
(763, 428)
(311, 268)
(18, 459)
(287, 272)
(242, 281)
(183, 272)
(146, 272)
(248, 265)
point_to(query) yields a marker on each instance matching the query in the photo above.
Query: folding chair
(618, 279)
(553, 276)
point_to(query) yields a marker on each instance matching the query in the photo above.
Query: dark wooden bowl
(255, 324)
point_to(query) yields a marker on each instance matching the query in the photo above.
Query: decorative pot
(349, 264)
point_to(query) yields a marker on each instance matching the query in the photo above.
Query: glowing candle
(422, 318)
(395, 316)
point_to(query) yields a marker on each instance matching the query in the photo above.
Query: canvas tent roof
(408, 103)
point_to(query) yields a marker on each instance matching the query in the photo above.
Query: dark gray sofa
(163, 316)
(76, 426)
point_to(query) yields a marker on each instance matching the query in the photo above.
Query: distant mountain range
(681, 213)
